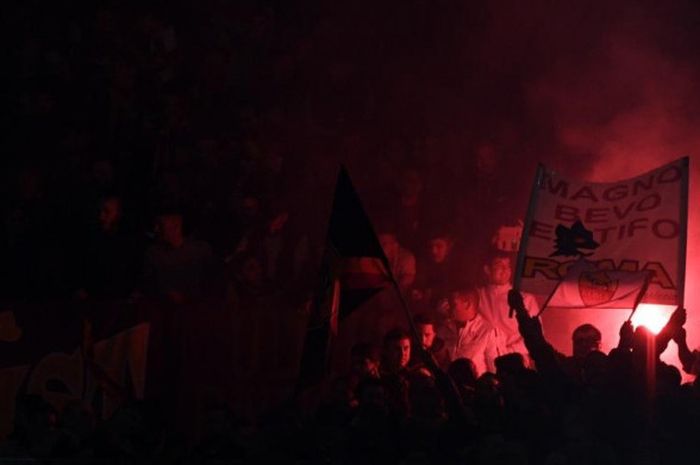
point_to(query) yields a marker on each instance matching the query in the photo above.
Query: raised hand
(675, 323)
(626, 334)
(680, 336)
(678, 318)
(515, 300)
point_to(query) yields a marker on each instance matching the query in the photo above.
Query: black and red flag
(353, 270)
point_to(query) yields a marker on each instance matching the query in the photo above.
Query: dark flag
(352, 271)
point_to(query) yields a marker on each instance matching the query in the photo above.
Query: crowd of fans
(467, 389)
(161, 155)
(478, 386)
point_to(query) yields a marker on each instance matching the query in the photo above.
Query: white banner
(638, 224)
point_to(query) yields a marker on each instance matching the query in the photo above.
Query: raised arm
(685, 355)
(675, 323)
(626, 336)
(530, 328)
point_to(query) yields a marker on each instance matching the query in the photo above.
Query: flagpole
(551, 294)
(443, 380)
(549, 297)
(520, 261)
(683, 240)
(402, 299)
(640, 296)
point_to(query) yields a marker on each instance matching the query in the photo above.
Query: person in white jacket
(467, 334)
(493, 304)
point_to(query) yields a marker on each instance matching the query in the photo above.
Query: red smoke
(628, 104)
(595, 90)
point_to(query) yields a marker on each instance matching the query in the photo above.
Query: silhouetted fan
(569, 241)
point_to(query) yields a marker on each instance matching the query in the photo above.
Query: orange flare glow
(652, 316)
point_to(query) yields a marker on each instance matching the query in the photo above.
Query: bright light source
(652, 316)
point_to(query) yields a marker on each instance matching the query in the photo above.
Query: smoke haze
(596, 90)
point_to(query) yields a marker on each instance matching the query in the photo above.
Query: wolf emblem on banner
(570, 241)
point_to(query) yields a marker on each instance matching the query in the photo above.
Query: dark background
(203, 104)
